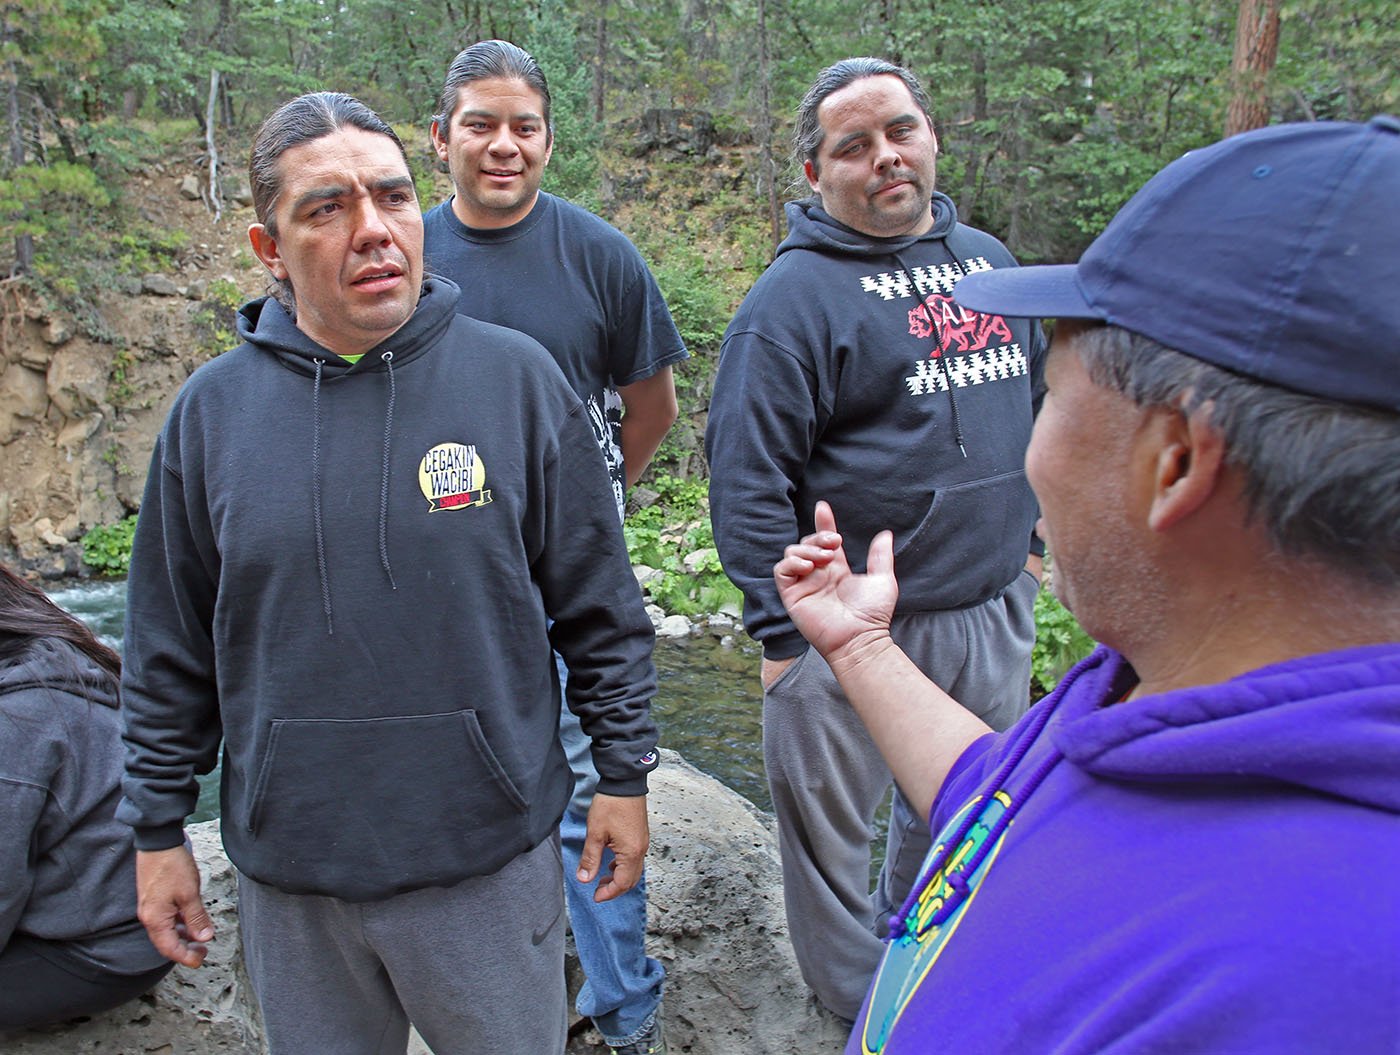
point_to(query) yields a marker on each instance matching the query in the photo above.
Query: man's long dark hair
(26, 614)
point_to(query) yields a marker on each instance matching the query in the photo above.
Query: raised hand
(834, 607)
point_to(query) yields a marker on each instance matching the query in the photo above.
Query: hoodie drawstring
(316, 495)
(940, 347)
(388, 360)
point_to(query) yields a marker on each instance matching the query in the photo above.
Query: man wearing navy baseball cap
(1192, 844)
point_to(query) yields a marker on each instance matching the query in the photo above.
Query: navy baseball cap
(1274, 253)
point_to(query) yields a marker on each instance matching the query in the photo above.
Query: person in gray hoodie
(70, 942)
(363, 532)
(849, 374)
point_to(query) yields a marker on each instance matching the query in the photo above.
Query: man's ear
(1188, 468)
(810, 171)
(265, 247)
(439, 140)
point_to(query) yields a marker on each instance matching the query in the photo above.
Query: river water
(708, 703)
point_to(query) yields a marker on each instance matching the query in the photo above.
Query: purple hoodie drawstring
(958, 880)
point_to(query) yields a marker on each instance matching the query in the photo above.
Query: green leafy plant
(1060, 643)
(676, 526)
(107, 547)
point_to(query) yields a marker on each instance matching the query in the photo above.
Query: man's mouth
(378, 276)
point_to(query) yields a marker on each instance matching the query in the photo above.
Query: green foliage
(699, 304)
(1060, 643)
(140, 253)
(224, 294)
(107, 547)
(573, 167)
(664, 534)
(46, 201)
(119, 388)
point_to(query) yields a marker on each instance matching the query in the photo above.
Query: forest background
(1050, 114)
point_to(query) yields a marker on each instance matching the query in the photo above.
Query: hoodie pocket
(972, 543)
(365, 807)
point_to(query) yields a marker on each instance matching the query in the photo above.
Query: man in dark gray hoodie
(363, 531)
(849, 374)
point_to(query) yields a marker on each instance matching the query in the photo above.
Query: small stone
(189, 188)
(57, 332)
(160, 285)
(694, 561)
(674, 626)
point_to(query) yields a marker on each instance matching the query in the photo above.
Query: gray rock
(236, 188)
(645, 575)
(716, 922)
(160, 285)
(674, 626)
(695, 561)
(189, 188)
(57, 332)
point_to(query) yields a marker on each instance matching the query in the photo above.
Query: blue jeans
(622, 987)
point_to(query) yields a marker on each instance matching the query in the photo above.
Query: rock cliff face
(81, 400)
(716, 921)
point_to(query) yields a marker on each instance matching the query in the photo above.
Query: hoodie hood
(54, 664)
(1329, 723)
(265, 324)
(812, 227)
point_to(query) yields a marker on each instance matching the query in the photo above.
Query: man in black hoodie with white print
(850, 375)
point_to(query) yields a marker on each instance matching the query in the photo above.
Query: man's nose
(503, 142)
(371, 228)
(885, 154)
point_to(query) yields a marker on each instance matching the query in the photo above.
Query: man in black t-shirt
(536, 263)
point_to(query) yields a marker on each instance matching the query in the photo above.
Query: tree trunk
(24, 243)
(768, 162)
(600, 64)
(1256, 50)
(215, 199)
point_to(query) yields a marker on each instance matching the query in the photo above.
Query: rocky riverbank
(716, 921)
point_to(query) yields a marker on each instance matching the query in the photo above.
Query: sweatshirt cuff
(627, 789)
(785, 645)
(162, 837)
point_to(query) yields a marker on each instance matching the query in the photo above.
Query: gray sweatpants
(827, 780)
(478, 967)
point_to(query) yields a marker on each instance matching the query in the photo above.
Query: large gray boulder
(716, 921)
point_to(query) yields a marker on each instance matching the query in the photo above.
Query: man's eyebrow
(893, 122)
(528, 115)
(334, 191)
(392, 183)
(846, 140)
(319, 194)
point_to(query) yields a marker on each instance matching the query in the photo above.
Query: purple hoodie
(1208, 870)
